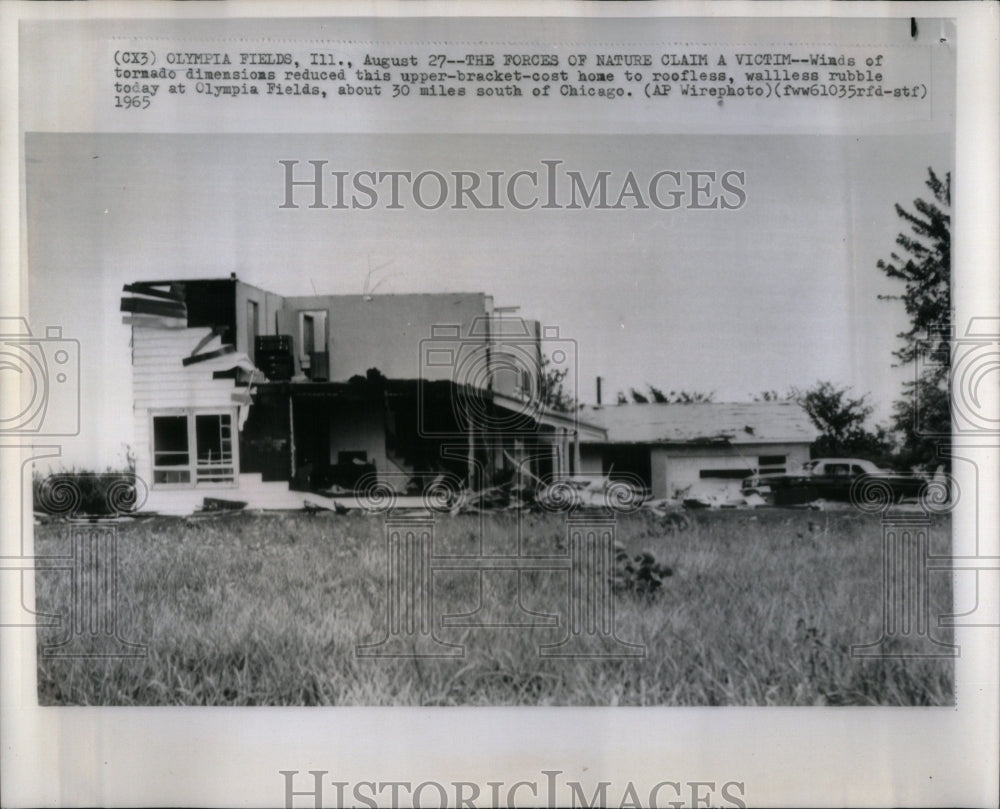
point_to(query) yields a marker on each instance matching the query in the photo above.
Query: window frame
(772, 464)
(192, 466)
(320, 328)
(253, 327)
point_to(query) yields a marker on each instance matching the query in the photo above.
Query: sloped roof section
(712, 423)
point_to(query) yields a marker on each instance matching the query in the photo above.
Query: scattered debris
(313, 507)
(218, 504)
(750, 500)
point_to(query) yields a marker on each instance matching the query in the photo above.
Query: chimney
(598, 390)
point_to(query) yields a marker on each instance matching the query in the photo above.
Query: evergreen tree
(923, 265)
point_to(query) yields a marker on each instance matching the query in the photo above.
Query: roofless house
(242, 394)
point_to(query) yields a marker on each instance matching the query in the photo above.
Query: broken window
(308, 334)
(209, 435)
(312, 337)
(214, 436)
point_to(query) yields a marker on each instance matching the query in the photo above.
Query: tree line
(918, 433)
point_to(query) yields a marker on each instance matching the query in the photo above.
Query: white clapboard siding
(160, 380)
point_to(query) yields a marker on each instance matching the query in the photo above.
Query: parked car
(828, 479)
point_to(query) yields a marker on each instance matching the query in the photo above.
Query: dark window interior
(170, 449)
(308, 334)
(628, 459)
(170, 441)
(725, 474)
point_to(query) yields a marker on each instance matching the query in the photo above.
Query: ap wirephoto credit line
(418, 369)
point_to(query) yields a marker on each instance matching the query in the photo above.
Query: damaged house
(698, 449)
(244, 395)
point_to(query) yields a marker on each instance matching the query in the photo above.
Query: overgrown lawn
(268, 609)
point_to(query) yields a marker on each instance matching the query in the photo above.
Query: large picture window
(193, 448)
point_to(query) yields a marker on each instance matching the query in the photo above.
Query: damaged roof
(704, 423)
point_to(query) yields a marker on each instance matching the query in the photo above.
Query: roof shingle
(704, 423)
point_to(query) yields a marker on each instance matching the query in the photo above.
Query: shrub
(641, 575)
(80, 492)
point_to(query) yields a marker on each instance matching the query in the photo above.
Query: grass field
(267, 609)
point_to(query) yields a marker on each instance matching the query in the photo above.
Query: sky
(779, 293)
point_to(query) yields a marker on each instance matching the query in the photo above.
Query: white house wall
(676, 468)
(161, 381)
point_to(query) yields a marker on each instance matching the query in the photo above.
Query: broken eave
(364, 387)
(700, 441)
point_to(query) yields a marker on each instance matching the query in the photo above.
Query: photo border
(802, 756)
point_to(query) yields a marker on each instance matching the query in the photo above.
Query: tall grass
(762, 609)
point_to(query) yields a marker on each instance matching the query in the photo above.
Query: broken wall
(387, 332)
